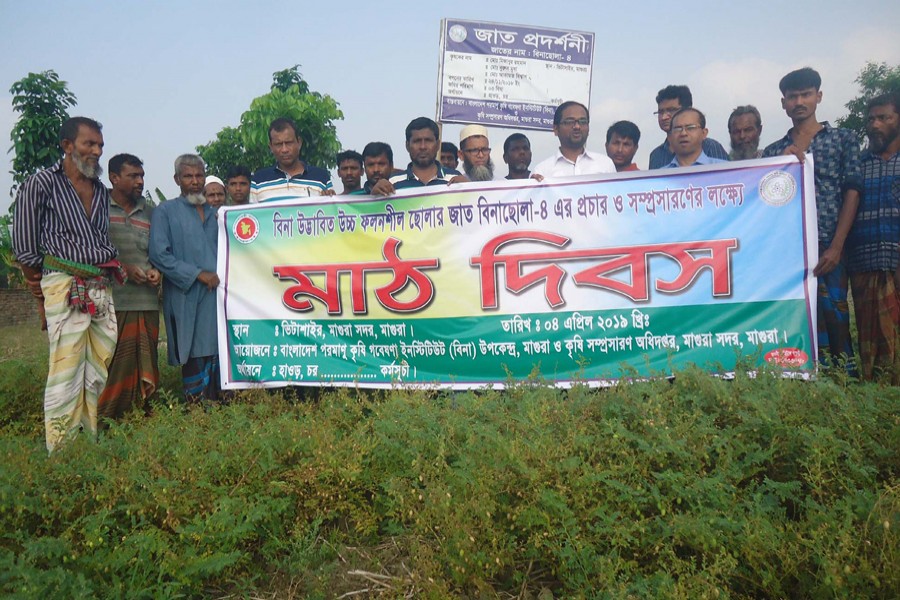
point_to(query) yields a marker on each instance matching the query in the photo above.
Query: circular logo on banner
(246, 228)
(777, 188)
(458, 34)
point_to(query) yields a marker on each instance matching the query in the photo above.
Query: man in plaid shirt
(873, 248)
(838, 186)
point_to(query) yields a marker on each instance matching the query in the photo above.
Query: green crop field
(698, 488)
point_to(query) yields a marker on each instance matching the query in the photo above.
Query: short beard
(195, 199)
(85, 168)
(743, 152)
(479, 173)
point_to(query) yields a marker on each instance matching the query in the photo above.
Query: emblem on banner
(777, 188)
(245, 229)
(458, 34)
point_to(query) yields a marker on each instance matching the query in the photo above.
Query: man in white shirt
(571, 124)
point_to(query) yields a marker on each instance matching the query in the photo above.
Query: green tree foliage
(289, 96)
(42, 101)
(874, 79)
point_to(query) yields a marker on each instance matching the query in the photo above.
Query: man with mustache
(378, 163)
(424, 168)
(134, 370)
(517, 156)
(669, 101)
(61, 239)
(183, 239)
(838, 185)
(290, 177)
(873, 247)
(745, 127)
(475, 152)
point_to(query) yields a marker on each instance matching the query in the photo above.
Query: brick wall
(17, 307)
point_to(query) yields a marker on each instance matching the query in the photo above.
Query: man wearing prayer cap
(214, 190)
(475, 153)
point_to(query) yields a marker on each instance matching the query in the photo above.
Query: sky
(165, 76)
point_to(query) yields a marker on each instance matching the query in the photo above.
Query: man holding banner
(838, 186)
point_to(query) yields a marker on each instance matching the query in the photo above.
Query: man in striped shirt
(134, 371)
(289, 178)
(60, 237)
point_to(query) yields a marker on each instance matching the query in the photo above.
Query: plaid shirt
(836, 157)
(874, 241)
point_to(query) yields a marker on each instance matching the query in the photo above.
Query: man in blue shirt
(669, 101)
(687, 132)
(183, 244)
(289, 178)
(873, 246)
(838, 185)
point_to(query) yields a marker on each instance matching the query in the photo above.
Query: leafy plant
(42, 101)
(289, 96)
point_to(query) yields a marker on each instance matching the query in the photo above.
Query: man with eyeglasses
(571, 124)
(669, 101)
(687, 131)
(475, 153)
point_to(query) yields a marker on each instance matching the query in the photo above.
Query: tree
(874, 80)
(289, 96)
(42, 101)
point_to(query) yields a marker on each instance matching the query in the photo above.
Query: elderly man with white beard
(183, 238)
(61, 239)
(475, 153)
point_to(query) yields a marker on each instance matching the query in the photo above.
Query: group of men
(69, 229)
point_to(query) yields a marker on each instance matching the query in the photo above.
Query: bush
(756, 488)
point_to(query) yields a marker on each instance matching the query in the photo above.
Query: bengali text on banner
(589, 279)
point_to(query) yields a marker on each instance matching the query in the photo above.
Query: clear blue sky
(165, 76)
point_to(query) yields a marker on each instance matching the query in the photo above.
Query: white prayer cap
(471, 130)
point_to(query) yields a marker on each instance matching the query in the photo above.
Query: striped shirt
(408, 179)
(49, 218)
(130, 232)
(271, 183)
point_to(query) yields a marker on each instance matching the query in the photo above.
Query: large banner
(511, 75)
(592, 279)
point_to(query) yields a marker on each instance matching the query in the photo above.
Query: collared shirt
(130, 233)
(631, 167)
(408, 179)
(271, 183)
(662, 155)
(703, 159)
(836, 158)
(50, 219)
(586, 163)
(874, 240)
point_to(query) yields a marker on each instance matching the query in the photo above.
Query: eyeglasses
(667, 111)
(685, 128)
(571, 122)
(477, 150)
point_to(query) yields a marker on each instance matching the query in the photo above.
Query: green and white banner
(588, 279)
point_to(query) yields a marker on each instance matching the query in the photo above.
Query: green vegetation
(700, 488)
(874, 79)
(289, 96)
